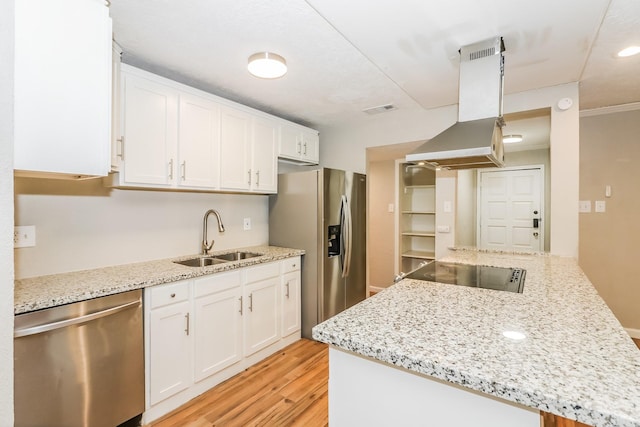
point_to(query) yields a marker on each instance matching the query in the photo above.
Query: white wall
(345, 148)
(82, 225)
(6, 213)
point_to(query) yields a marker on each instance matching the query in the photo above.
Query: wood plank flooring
(287, 389)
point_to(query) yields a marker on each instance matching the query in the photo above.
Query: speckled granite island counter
(49, 291)
(576, 361)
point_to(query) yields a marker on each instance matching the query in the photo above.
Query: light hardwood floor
(286, 389)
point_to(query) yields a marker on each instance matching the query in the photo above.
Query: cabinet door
(264, 165)
(198, 142)
(235, 173)
(290, 303)
(169, 351)
(217, 332)
(290, 143)
(62, 87)
(310, 142)
(261, 314)
(150, 122)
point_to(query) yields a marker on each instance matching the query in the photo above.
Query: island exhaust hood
(475, 140)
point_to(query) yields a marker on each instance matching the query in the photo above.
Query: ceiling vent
(380, 109)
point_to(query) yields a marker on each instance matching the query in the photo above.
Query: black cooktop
(477, 276)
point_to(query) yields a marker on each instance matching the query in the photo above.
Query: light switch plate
(601, 206)
(447, 206)
(391, 208)
(443, 229)
(584, 206)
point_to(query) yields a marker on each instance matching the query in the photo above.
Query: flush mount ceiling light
(508, 139)
(267, 65)
(629, 51)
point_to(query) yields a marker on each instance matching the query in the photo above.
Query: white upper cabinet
(149, 132)
(62, 87)
(198, 142)
(299, 144)
(235, 154)
(176, 137)
(264, 158)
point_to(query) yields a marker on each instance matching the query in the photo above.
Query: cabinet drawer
(291, 264)
(262, 271)
(169, 294)
(216, 282)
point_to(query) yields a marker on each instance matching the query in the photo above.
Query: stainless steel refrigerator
(323, 211)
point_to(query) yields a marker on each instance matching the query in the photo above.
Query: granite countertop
(576, 360)
(49, 291)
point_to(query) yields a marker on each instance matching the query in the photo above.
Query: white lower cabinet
(169, 371)
(201, 332)
(290, 296)
(262, 315)
(217, 323)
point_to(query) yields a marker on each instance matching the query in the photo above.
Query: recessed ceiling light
(267, 65)
(629, 51)
(509, 139)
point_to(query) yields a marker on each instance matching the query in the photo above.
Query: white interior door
(511, 209)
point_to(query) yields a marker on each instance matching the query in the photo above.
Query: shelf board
(411, 187)
(418, 212)
(419, 233)
(419, 254)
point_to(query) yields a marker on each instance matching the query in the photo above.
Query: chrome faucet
(206, 247)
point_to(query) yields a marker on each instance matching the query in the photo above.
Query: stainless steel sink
(201, 262)
(236, 256)
(216, 259)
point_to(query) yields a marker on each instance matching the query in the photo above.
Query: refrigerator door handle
(345, 224)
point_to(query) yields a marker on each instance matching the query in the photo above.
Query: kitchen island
(430, 350)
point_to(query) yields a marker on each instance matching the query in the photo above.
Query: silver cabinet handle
(249, 175)
(171, 169)
(187, 329)
(184, 169)
(258, 179)
(121, 145)
(287, 293)
(240, 299)
(251, 302)
(305, 149)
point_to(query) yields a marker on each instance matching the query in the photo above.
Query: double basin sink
(216, 259)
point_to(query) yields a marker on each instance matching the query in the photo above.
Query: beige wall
(381, 244)
(6, 213)
(82, 225)
(610, 241)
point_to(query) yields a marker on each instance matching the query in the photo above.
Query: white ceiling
(344, 57)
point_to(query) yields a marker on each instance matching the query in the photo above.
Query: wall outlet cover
(584, 206)
(246, 223)
(601, 206)
(24, 236)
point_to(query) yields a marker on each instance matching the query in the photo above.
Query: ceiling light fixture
(267, 65)
(509, 139)
(629, 51)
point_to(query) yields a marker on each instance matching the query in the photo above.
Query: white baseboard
(633, 333)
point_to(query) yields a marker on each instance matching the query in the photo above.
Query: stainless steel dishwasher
(80, 364)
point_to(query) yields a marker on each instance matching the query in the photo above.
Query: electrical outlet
(247, 223)
(584, 206)
(24, 236)
(601, 206)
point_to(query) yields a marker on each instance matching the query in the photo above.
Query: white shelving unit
(417, 196)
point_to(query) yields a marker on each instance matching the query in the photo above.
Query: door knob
(535, 234)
